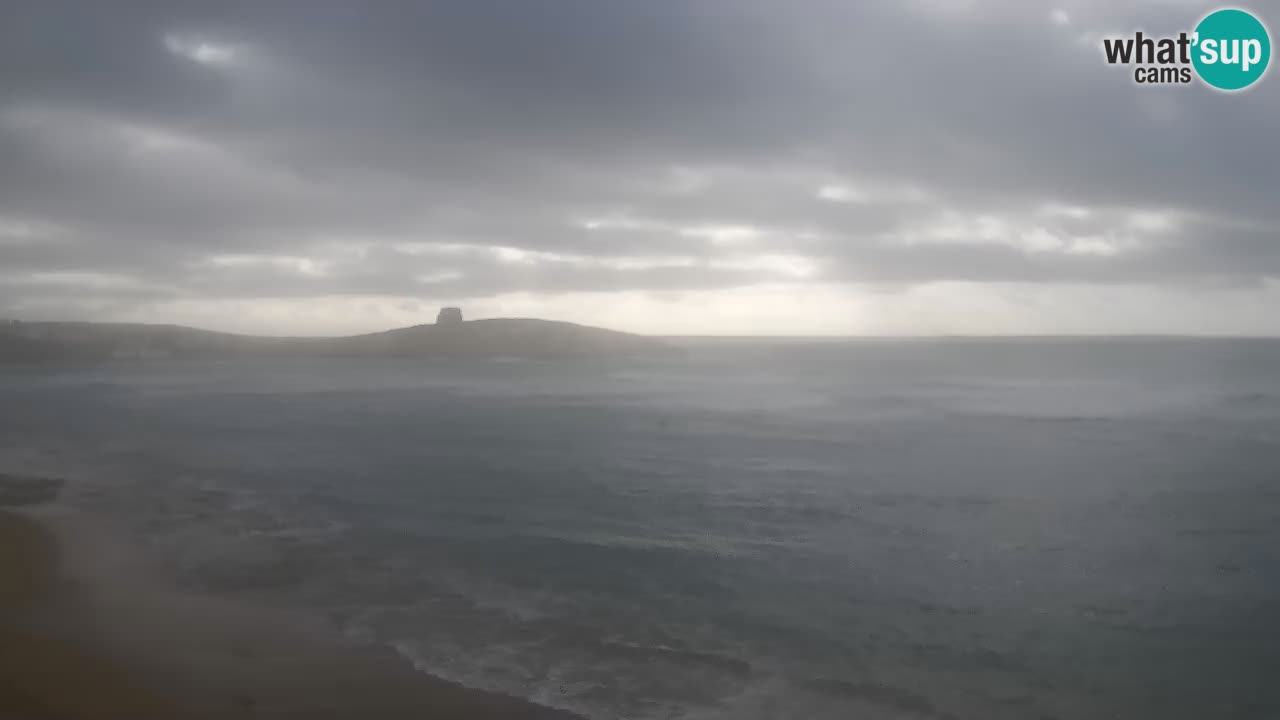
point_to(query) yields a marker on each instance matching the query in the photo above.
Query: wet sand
(85, 633)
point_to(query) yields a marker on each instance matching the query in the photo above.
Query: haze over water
(759, 529)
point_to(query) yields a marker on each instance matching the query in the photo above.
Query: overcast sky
(665, 166)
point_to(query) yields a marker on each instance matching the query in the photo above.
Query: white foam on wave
(551, 692)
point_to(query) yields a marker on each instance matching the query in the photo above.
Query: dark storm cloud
(296, 149)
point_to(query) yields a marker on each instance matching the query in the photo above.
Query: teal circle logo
(1232, 49)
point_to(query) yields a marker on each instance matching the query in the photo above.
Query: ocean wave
(729, 664)
(914, 703)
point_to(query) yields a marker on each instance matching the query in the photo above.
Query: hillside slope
(39, 343)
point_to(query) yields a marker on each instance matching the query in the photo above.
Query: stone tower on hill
(449, 316)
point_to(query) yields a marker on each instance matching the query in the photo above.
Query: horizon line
(733, 336)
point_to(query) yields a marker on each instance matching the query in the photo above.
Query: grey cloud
(485, 123)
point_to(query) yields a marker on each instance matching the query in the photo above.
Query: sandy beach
(85, 634)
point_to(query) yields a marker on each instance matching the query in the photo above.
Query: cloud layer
(820, 167)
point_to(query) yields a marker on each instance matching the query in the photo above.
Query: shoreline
(86, 634)
(43, 677)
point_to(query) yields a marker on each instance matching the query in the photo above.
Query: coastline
(84, 634)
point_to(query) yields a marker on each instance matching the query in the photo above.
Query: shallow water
(914, 529)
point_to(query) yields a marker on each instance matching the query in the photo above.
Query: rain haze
(639, 360)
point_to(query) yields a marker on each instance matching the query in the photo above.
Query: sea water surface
(752, 529)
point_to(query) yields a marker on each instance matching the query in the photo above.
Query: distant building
(449, 316)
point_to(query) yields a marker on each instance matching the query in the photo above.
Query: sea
(1025, 528)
